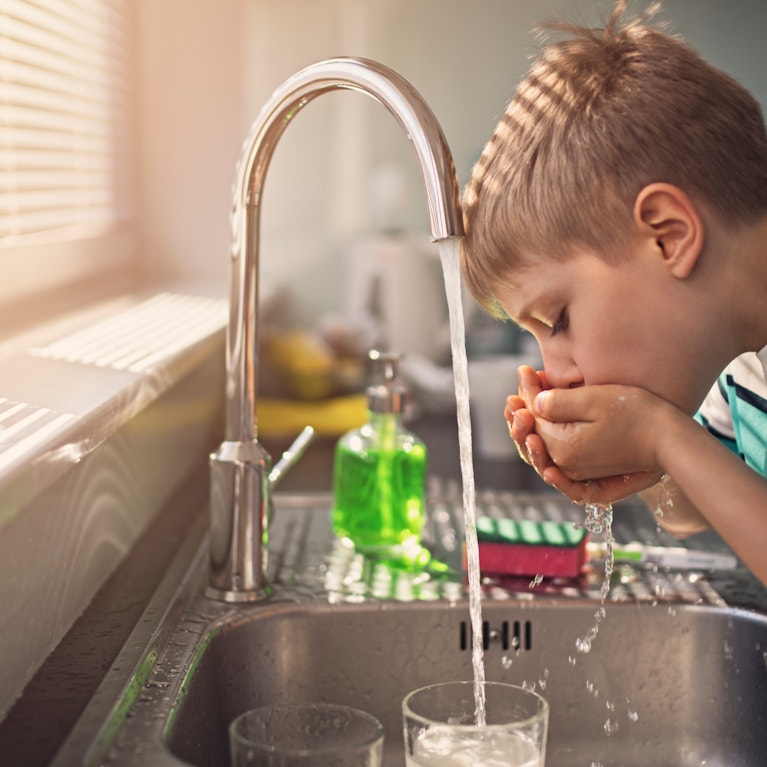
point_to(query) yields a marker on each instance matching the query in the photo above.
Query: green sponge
(528, 547)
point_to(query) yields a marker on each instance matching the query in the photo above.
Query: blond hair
(602, 113)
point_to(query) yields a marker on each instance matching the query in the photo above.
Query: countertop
(42, 718)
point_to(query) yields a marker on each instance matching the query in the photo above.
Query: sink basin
(686, 686)
(675, 677)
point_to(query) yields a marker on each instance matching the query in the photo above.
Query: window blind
(64, 118)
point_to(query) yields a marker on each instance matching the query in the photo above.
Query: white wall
(206, 67)
(190, 89)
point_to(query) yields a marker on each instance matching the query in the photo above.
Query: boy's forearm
(728, 494)
(673, 510)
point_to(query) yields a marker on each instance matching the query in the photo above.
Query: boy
(619, 213)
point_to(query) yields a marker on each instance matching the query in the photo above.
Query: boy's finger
(521, 449)
(562, 405)
(529, 384)
(514, 403)
(521, 425)
(539, 457)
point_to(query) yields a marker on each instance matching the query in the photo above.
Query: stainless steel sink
(675, 677)
(658, 688)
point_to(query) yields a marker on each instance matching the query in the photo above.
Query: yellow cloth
(329, 417)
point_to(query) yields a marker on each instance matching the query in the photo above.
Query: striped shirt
(735, 410)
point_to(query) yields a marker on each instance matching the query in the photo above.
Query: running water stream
(448, 250)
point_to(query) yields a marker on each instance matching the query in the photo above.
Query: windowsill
(67, 394)
(104, 412)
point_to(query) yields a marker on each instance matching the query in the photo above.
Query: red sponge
(529, 548)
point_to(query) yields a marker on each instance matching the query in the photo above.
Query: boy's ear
(670, 219)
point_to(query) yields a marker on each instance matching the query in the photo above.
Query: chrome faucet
(240, 468)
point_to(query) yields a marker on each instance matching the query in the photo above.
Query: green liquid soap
(378, 487)
(379, 476)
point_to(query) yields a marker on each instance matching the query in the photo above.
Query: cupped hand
(571, 441)
(601, 431)
(603, 490)
(518, 413)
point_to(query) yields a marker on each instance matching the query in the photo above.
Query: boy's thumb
(542, 403)
(561, 405)
(557, 406)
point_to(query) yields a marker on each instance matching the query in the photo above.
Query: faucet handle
(290, 456)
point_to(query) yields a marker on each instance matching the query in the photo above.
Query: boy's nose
(561, 372)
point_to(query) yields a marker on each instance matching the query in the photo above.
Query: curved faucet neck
(437, 169)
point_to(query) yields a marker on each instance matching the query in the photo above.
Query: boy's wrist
(672, 429)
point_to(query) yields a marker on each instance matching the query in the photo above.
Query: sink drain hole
(516, 635)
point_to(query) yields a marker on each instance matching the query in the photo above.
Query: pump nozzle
(386, 395)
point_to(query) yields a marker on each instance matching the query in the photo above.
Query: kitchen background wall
(207, 66)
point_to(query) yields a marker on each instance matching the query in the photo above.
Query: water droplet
(583, 644)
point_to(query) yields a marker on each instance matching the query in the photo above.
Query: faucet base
(239, 521)
(236, 597)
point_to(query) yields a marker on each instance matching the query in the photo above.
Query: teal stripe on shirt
(749, 418)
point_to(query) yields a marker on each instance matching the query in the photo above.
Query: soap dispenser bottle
(379, 473)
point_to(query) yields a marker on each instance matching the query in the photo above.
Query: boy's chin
(687, 401)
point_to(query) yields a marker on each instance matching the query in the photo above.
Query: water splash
(598, 521)
(665, 502)
(536, 581)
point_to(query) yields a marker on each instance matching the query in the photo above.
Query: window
(65, 142)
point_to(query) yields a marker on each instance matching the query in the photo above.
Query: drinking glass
(441, 727)
(306, 735)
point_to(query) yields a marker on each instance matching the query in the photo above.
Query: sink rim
(161, 728)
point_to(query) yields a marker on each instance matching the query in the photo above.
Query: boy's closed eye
(561, 323)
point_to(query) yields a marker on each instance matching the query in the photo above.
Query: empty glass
(312, 734)
(441, 729)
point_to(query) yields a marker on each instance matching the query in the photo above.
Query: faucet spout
(240, 503)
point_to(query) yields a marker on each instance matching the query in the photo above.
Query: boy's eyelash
(561, 324)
